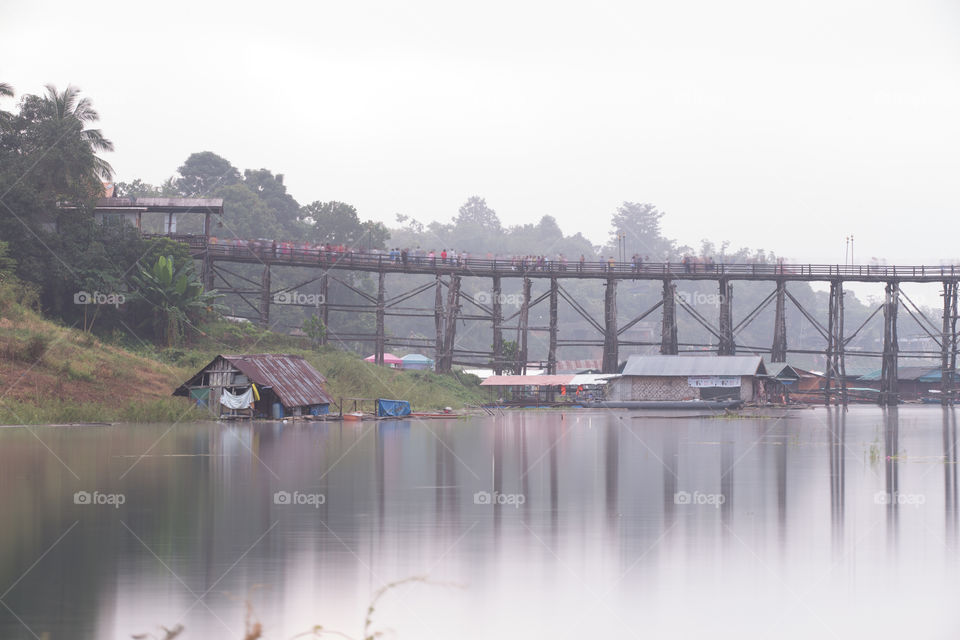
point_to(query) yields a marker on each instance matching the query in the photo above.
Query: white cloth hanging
(242, 401)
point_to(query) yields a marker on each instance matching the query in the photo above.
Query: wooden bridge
(451, 304)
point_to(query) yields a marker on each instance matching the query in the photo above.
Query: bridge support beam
(779, 351)
(668, 327)
(889, 388)
(497, 326)
(522, 325)
(265, 297)
(450, 323)
(206, 270)
(836, 359)
(438, 325)
(611, 355)
(948, 344)
(324, 308)
(727, 346)
(381, 328)
(552, 349)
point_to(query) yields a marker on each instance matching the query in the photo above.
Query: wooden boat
(354, 416)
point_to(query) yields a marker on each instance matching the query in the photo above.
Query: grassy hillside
(50, 373)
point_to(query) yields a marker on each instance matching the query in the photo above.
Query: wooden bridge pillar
(727, 346)
(206, 270)
(450, 323)
(611, 355)
(889, 388)
(497, 326)
(438, 325)
(265, 296)
(948, 344)
(836, 354)
(522, 325)
(779, 351)
(668, 328)
(324, 310)
(552, 350)
(381, 314)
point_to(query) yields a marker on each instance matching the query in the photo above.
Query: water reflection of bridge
(451, 303)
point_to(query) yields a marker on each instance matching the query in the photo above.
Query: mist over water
(812, 523)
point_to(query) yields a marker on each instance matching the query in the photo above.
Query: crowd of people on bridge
(418, 257)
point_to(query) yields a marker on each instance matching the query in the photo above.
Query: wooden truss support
(265, 297)
(497, 304)
(438, 323)
(450, 324)
(611, 356)
(381, 324)
(668, 327)
(889, 391)
(836, 362)
(522, 328)
(727, 345)
(948, 345)
(552, 348)
(779, 351)
(324, 307)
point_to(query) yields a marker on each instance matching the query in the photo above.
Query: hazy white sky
(779, 126)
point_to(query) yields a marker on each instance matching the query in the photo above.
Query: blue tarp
(392, 407)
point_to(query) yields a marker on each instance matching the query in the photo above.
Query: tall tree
(334, 222)
(72, 113)
(205, 172)
(475, 212)
(639, 222)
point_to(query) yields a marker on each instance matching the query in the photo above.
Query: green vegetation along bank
(51, 373)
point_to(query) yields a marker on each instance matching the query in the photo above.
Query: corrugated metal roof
(526, 381)
(906, 373)
(292, 378)
(698, 365)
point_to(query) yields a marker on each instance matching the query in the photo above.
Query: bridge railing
(266, 251)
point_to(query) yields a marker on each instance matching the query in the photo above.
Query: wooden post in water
(727, 347)
(611, 355)
(552, 350)
(668, 328)
(779, 351)
(381, 308)
(265, 296)
(497, 327)
(889, 388)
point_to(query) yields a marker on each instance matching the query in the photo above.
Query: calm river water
(530, 525)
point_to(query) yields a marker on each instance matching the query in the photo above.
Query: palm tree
(6, 91)
(68, 108)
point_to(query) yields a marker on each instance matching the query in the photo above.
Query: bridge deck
(483, 267)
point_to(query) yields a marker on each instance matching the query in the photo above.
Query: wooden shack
(287, 385)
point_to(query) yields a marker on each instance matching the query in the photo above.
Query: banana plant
(176, 296)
